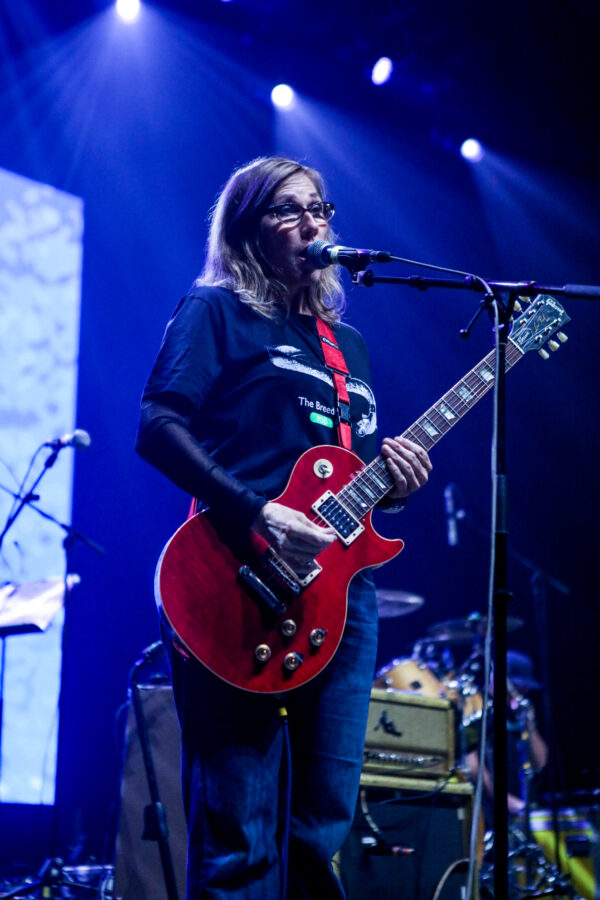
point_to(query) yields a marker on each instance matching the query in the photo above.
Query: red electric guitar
(254, 622)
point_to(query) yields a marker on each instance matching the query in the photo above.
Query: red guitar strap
(335, 362)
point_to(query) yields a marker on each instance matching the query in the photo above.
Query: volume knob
(291, 661)
(263, 653)
(317, 636)
(288, 627)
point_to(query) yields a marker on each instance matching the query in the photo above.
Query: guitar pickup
(259, 590)
(334, 513)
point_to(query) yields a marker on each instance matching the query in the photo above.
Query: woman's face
(284, 244)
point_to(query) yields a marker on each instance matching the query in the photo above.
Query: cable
(382, 846)
(287, 810)
(441, 883)
(413, 262)
(426, 795)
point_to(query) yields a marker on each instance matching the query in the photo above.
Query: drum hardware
(391, 604)
(533, 870)
(530, 873)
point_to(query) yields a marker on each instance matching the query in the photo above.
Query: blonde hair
(234, 257)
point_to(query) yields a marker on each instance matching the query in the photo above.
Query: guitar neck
(373, 482)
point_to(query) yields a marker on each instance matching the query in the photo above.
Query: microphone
(320, 254)
(452, 514)
(79, 439)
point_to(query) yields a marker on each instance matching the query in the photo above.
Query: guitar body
(221, 623)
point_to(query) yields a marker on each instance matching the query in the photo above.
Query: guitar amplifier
(409, 735)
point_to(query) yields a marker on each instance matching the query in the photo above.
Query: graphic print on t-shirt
(285, 356)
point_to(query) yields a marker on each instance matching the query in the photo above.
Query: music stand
(28, 608)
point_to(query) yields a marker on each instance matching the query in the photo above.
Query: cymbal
(397, 603)
(463, 631)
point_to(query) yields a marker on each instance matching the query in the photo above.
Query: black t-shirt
(259, 388)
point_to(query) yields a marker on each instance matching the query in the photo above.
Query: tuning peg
(554, 345)
(517, 307)
(544, 353)
(562, 337)
(523, 300)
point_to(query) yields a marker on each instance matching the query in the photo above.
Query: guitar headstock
(541, 320)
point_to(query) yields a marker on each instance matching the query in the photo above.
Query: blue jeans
(234, 772)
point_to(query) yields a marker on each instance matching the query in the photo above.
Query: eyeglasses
(291, 213)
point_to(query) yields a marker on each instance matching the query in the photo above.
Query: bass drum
(410, 676)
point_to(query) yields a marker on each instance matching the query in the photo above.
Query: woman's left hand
(408, 464)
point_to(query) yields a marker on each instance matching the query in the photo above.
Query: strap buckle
(342, 412)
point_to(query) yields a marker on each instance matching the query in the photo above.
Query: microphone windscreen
(314, 255)
(81, 438)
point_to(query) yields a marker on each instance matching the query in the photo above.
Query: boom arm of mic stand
(368, 278)
(72, 533)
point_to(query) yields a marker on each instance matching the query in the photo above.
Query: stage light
(128, 10)
(283, 96)
(471, 150)
(382, 70)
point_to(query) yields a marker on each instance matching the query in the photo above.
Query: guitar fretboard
(374, 481)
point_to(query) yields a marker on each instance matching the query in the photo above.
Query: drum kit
(447, 663)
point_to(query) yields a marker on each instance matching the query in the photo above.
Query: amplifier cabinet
(417, 830)
(408, 734)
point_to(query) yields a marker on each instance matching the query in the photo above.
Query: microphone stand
(502, 310)
(29, 497)
(72, 536)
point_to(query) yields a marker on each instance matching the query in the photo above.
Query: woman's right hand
(292, 534)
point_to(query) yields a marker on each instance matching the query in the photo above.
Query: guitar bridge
(329, 508)
(285, 575)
